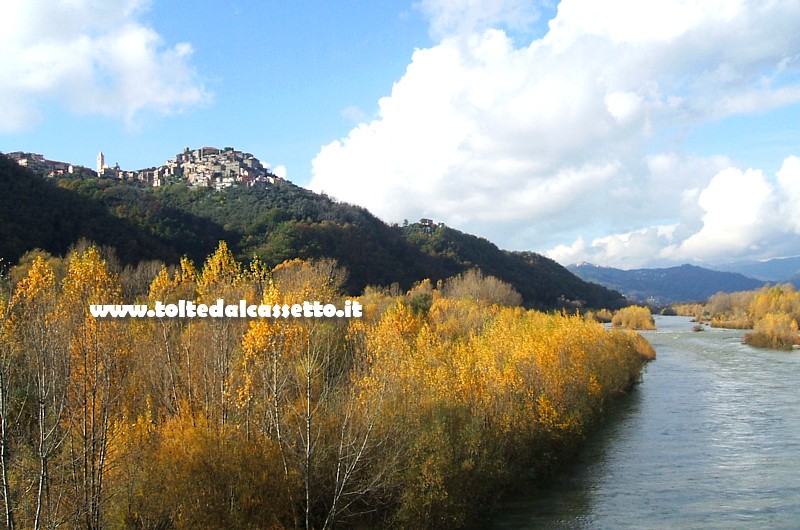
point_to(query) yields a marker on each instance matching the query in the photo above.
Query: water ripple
(711, 439)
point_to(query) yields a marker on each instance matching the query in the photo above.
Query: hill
(685, 283)
(41, 213)
(536, 277)
(275, 222)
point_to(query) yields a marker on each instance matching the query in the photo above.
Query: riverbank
(418, 414)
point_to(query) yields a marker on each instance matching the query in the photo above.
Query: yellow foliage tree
(99, 355)
(777, 330)
(36, 330)
(414, 416)
(634, 317)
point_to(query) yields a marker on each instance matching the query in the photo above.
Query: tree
(38, 338)
(475, 286)
(173, 381)
(634, 317)
(302, 377)
(216, 342)
(7, 421)
(98, 352)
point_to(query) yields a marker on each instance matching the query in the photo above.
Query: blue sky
(278, 76)
(619, 132)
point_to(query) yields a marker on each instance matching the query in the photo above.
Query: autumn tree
(634, 317)
(475, 286)
(8, 414)
(216, 342)
(417, 415)
(774, 330)
(98, 355)
(38, 337)
(773, 312)
(192, 475)
(299, 380)
(171, 382)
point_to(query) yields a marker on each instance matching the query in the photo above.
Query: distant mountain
(685, 283)
(276, 221)
(774, 270)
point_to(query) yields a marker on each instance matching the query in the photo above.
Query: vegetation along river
(710, 439)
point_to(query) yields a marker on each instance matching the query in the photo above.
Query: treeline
(417, 415)
(772, 313)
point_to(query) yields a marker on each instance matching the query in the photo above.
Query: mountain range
(684, 283)
(777, 270)
(275, 222)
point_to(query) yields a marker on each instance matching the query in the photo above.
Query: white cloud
(574, 253)
(280, 171)
(738, 214)
(457, 17)
(634, 21)
(354, 114)
(624, 250)
(623, 106)
(95, 57)
(789, 186)
(535, 145)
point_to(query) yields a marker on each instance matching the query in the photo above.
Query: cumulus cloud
(740, 213)
(738, 208)
(789, 186)
(95, 57)
(280, 171)
(533, 145)
(625, 250)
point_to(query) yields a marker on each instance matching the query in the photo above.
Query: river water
(710, 439)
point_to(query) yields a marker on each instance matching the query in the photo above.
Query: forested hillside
(536, 277)
(275, 223)
(37, 213)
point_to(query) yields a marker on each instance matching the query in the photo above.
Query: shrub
(634, 317)
(732, 323)
(474, 285)
(696, 311)
(774, 330)
(603, 315)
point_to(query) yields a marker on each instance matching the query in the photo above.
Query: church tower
(101, 163)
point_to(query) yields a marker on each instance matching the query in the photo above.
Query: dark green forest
(276, 223)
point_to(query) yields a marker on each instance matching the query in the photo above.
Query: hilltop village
(204, 167)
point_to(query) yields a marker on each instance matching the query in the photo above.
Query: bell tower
(101, 163)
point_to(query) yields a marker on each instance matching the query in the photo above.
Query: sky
(618, 132)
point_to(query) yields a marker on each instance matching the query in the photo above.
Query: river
(710, 439)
